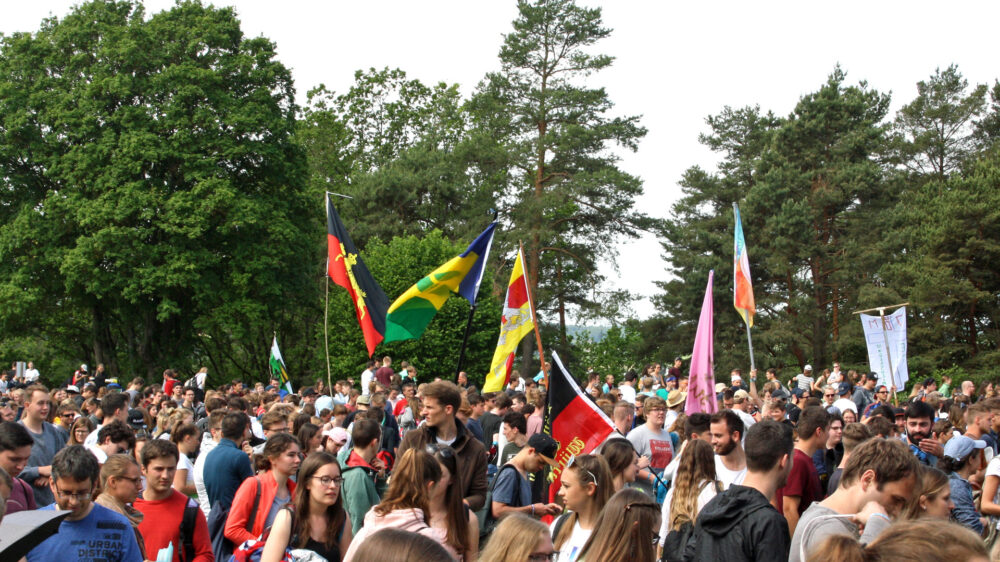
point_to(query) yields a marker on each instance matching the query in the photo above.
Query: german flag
(574, 421)
(347, 269)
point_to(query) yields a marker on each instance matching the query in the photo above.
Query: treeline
(161, 194)
(846, 207)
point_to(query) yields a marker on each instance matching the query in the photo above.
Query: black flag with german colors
(347, 269)
(573, 420)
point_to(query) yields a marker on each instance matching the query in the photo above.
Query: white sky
(676, 63)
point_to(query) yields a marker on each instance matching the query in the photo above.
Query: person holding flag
(517, 321)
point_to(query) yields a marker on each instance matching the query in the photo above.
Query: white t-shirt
(747, 420)
(30, 375)
(207, 444)
(573, 545)
(708, 492)
(98, 452)
(628, 393)
(91, 440)
(993, 469)
(726, 476)
(844, 404)
(366, 379)
(184, 462)
(835, 378)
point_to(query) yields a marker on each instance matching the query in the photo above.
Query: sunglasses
(593, 479)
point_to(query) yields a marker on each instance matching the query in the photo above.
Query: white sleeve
(665, 517)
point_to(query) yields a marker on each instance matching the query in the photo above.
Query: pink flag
(701, 384)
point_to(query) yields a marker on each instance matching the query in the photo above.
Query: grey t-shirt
(819, 522)
(47, 444)
(658, 446)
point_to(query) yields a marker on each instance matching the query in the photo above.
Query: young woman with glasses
(448, 511)
(121, 483)
(82, 427)
(586, 486)
(315, 520)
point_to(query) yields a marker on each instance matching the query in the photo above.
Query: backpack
(676, 540)
(486, 520)
(186, 537)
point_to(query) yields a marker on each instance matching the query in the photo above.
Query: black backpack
(486, 520)
(191, 510)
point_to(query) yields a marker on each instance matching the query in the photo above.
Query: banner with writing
(879, 355)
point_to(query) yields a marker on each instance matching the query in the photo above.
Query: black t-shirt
(491, 425)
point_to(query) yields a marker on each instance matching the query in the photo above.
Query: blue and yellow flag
(413, 310)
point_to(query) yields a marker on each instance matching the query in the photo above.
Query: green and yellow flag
(413, 310)
(278, 367)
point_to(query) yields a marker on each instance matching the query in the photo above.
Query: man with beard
(919, 418)
(726, 434)
(740, 523)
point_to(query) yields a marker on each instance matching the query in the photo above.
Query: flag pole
(753, 367)
(538, 335)
(465, 341)
(326, 327)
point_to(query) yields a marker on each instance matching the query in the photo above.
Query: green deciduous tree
(152, 197)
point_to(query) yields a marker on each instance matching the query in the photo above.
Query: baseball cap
(781, 394)
(136, 419)
(544, 446)
(83, 367)
(959, 447)
(843, 388)
(740, 395)
(73, 388)
(309, 392)
(364, 400)
(807, 368)
(338, 434)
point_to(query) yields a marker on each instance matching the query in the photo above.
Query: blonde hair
(510, 540)
(116, 465)
(623, 529)
(930, 483)
(696, 470)
(918, 541)
(590, 469)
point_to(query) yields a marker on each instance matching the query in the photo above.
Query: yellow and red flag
(515, 323)
(742, 288)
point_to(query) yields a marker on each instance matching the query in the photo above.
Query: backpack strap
(186, 537)
(256, 505)
(560, 521)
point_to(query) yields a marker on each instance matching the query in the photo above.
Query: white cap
(807, 368)
(83, 367)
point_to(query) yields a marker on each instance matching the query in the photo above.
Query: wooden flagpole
(534, 319)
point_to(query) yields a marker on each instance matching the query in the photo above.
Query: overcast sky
(676, 63)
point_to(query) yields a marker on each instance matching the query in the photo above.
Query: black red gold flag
(573, 420)
(347, 269)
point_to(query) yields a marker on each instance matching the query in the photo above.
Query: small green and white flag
(278, 367)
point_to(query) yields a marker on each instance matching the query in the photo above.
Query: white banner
(878, 355)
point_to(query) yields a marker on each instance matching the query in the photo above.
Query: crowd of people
(392, 467)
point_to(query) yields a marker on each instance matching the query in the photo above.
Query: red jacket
(161, 525)
(239, 513)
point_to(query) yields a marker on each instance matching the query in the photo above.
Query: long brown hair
(924, 540)
(335, 515)
(84, 421)
(458, 521)
(697, 466)
(624, 530)
(590, 469)
(408, 486)
(930, 483)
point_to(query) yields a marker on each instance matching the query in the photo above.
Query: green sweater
(358, 492)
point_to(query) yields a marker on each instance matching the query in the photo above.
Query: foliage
(396, 265)
(152, 204)
(564, 193)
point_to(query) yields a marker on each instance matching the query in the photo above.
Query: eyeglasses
(656, 410)
(544, 556)
(137, 480)
(327, 480)
(829, 395)
(78, 496)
